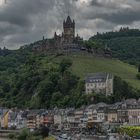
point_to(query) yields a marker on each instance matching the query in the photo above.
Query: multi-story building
(12, 121)
(122, 113)
(78, 115)
(99, 83)
(4, 119)
(101, 114)
(112, 115)
(31, 121)
(47, 118)
(58, 119)
(129, 112)
(21, 119)
(70, 122)
(134, 116)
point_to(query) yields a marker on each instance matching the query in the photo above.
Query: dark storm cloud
(17, 18)
(24, 21)
(95, 3)
(123, 16)
(115, 11)
(19, 12)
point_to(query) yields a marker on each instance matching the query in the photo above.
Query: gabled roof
(131, 101)
(98, 77)
(4, 111)
(34, 113)
(101, 104)
(91, 107)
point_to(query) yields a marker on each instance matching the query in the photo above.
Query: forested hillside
(38, 80)
(125, 44)
(41, 81)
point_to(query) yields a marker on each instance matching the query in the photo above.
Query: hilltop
(124, 44)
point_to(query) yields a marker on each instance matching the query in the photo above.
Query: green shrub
(130, 130)
(138, 76)
(12, 136)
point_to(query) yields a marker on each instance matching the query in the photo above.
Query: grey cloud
(123, 17)
(119, 17)
(118, 12)
(19, 12)
(96, 3)
(25, 21)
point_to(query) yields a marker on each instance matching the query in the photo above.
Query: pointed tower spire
(68, 21)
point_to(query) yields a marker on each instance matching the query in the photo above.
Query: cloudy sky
(25, 21)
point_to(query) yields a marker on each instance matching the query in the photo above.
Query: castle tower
(69, 30)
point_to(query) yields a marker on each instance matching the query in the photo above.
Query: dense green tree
(64, 65)
(138, 76)
(44, 131)
(124, 44)
(122, 90)
(139, 68)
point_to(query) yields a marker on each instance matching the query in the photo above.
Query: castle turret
(55, 35)
(69, 30)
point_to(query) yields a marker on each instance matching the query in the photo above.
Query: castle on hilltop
(67, 42)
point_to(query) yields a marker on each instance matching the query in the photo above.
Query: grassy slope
(89, 64)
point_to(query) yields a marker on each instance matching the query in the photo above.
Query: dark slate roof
(91, 106)
(101, 104)
(68, 21)
(98, 77)
(34, 112)
(130, 101)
